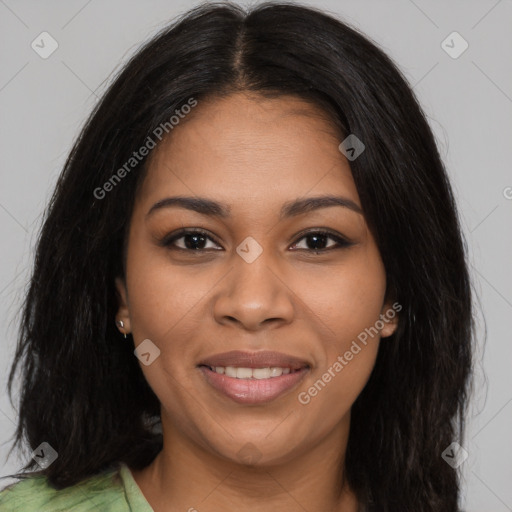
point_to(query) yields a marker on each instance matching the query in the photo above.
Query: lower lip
(253, 391)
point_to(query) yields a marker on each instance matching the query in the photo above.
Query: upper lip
(262, 359)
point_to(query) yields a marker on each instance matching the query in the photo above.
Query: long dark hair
(82, 390)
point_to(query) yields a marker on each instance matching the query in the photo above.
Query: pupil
(192, 245)
(322, 239)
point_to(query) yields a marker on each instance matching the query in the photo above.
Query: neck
(184, 476)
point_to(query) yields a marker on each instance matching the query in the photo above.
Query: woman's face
(252, 282)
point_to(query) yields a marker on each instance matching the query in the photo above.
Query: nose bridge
(255, 292)
(255, 276)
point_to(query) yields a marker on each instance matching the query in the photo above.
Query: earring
(120, 323)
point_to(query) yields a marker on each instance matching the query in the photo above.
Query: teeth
(243, 373)
(230, 371)
(251, 373)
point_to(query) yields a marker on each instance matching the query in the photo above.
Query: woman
(250, 289)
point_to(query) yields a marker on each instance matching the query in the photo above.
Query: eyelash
(170, 239)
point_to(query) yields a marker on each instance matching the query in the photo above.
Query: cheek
(346, 299)
(164, 302)
(345, 307)
(163, 297)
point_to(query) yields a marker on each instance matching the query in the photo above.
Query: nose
(253, 296)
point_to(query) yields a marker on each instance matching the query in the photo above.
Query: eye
(194, 240)
(319, 238)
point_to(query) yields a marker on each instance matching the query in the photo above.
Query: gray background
(468, 100)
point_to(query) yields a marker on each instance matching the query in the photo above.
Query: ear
(389, 317)
(123, 312)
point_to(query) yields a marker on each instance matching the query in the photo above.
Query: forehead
(245, 148)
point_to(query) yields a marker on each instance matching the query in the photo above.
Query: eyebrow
(212, 208)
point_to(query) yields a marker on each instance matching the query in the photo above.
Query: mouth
(253, 378)
(251, 373)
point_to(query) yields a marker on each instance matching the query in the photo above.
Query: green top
(112, 491)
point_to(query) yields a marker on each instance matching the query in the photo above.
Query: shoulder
(95, 493)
